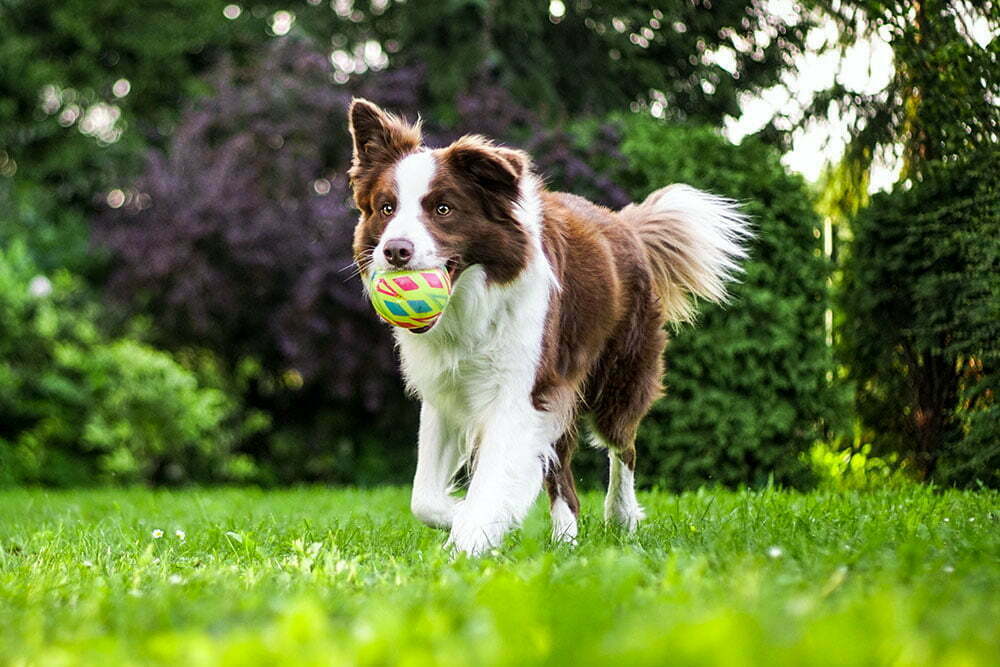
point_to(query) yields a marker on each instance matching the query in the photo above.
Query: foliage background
(928, 341)
(175, 223)
(747, 387)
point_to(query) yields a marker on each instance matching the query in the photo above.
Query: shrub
(76, 408)
(921, 329)
(748, 387)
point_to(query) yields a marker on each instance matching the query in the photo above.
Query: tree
(85, 86)
(939, 104)
(129, 65)
(921, 325)
(688, 60)
(912, 329)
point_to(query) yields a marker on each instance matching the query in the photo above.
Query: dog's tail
(694, 242)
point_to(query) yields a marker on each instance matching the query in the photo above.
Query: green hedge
(748, 388)
(921, 321)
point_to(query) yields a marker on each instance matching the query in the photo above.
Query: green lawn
(318, 576)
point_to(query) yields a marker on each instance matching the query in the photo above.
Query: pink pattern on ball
(432, 279)
(406, 283)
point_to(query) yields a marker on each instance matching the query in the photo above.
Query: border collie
(558, 312)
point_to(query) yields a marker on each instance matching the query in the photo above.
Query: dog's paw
(564, 528)
(436, 512)
(474, 533)
(626, 516)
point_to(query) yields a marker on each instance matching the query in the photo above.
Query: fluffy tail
(694, 242)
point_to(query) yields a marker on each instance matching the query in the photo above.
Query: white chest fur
(484, 352)
(475, 371)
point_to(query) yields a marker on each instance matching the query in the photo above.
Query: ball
(410, 299)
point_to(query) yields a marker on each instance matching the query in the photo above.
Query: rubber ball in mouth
(412, 300)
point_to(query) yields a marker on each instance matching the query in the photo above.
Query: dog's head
(450, 208)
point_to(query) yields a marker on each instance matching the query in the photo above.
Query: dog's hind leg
(563, 502)
(620, 505)
(627, 382)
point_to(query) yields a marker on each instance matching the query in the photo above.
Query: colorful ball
(410, 299)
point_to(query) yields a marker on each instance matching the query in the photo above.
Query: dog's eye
(442, 209)
(387, 209)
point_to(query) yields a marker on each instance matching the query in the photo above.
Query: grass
(905, 576)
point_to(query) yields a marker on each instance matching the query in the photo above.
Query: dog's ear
(380, 138)
(496, 170)
(518, 161)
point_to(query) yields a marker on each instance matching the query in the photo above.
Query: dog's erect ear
(518, 161)
(495, 169)
(379, 137)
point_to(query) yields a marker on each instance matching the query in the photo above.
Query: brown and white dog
(558, 312)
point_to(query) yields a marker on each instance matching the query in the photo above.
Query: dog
(558, 313)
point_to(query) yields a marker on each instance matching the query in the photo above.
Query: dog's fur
(558, 312)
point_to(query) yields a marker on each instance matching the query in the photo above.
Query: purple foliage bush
(238, 238)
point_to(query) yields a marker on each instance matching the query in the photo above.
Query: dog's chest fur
(484, 352)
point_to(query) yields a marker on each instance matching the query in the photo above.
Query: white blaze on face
(414, 174)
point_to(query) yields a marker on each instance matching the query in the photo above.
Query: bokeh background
(176, 299)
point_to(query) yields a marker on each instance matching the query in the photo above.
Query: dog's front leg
(438, 459)
(509, 467)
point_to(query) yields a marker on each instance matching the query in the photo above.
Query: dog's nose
(398, 252)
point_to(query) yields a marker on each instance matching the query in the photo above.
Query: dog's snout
(398, 252)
